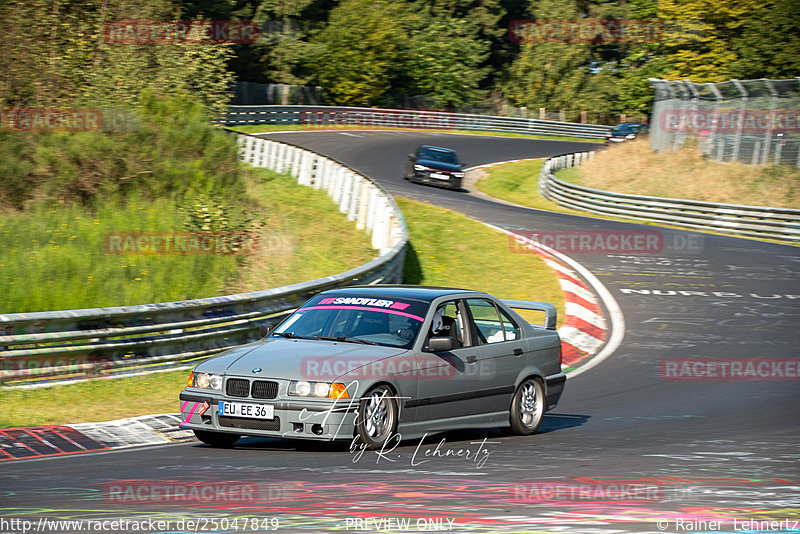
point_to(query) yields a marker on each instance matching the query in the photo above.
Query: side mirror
(264, 329)
(440, 344)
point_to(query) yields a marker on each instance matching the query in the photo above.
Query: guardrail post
(262, 153)
(355, 196)
(271, 148)
(321, 176)
(346, 192)
(296, 162)
(304, 171)
(363, 205)
(756, 152)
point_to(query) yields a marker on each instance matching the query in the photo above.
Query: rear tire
(527, 407)
(216, 439)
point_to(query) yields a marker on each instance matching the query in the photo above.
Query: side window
(510, 326)
(487, 321)
(493, 327)
(449, 321)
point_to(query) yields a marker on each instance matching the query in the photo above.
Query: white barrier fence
(402, 118)
(781, 224)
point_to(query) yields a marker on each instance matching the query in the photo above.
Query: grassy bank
(634, 168)
(57, 257)
(446, 249)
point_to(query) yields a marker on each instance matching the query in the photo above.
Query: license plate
(242, 409)
(440, 176)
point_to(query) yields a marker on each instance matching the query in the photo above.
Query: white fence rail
(400, 118)
(755, 221)
(76, 344)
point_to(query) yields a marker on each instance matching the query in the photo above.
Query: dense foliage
(446, 54)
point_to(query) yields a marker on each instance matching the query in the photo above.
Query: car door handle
(472, 358)
(517, 352)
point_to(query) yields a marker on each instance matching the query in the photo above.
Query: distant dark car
(626, 131)
(435, 165)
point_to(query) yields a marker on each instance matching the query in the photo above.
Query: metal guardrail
(76, 344)
(782, 224)
(399, 118)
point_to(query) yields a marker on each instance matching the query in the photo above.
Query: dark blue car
(435, 165)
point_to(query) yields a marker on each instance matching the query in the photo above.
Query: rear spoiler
(550, 314)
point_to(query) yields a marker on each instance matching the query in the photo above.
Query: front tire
(216, 439)
(377, 416)
(527, 407)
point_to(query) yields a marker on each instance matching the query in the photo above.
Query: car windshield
(628, 128)
(445, 156)
(371, 320)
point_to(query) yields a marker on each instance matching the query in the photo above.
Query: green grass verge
(450, 249)
(518, 182)
(262, 128)
(447, 249)
(93, 400)
(54, 258)
(305, 236)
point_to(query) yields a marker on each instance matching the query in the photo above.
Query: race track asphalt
(643, 442)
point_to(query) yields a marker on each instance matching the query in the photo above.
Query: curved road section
(691, 425)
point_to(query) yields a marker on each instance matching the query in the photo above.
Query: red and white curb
(587, 338)
(60, 440)
(500, 163)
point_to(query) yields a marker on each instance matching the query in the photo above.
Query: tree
(769, 45)
(361, 52)
(444, 61)
(58, 54)
(549, 74)
(698, 36)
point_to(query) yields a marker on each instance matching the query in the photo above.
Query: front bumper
(425, 177)
(318, 419)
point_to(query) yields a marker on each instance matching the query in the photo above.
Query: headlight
(207, 381)
(458, 174)
(324, 390)
(421, 168)
(630, 136)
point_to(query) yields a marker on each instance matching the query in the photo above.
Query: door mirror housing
(440, 344)
(265, 329)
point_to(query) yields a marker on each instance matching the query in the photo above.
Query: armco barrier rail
(774, 223)
(74, 344)
(400, 118)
